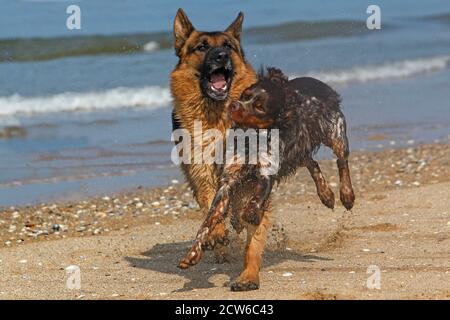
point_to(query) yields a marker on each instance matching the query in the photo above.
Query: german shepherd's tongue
(218, 81)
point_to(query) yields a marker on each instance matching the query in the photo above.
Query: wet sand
(127, 245)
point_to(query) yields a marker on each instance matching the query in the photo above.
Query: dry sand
(127, 246)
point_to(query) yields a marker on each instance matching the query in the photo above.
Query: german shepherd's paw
(244, 285)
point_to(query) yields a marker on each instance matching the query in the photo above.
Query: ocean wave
(391, 70)
(149, 97)
(37, 49)
(155, 96)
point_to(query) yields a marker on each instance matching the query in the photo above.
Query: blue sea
(87, 112)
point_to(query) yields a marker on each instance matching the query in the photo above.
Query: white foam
(149, 97)
(151, 46)
(391, 70)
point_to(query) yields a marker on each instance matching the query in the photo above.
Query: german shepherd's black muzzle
(217, 74)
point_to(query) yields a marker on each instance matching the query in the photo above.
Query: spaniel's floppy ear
(276, 75)
(182, 28)
(235, 27)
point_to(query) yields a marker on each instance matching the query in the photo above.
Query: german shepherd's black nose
(219, 56)
(222, 57)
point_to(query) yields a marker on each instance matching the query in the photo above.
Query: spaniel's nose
(234, 106)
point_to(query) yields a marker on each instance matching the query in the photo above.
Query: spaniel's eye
(202, 47)
(259, 106)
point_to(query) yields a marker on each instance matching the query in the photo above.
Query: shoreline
(68, 155)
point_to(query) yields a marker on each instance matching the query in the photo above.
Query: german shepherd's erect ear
(182, 28)
(235, 27)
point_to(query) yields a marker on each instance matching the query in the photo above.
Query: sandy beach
(127, 245)
(87, 183)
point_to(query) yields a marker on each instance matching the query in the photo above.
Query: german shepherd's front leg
(256, 214)
(256, 238)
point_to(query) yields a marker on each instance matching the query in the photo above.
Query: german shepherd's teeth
(219, 90)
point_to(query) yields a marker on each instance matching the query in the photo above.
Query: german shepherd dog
(211, 72)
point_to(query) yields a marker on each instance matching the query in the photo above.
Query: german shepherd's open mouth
(217, 74)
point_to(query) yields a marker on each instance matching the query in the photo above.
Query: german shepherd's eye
(202, 47)
(227, 45)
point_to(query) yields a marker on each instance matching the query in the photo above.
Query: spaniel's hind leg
(324, 191)
(347, 194)
(339, 145)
